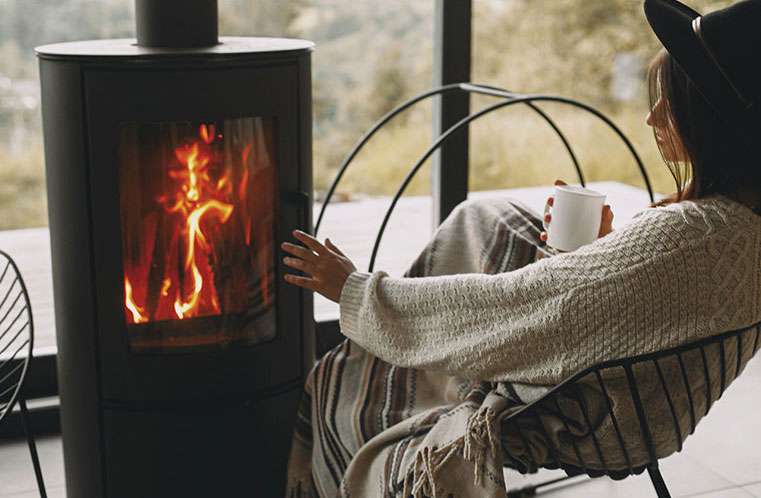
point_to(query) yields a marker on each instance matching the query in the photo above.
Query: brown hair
(715, 158)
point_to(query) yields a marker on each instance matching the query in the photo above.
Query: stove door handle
(304, 203)
(303, 199)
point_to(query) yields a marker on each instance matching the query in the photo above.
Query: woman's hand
(326, 267)
(606, 224)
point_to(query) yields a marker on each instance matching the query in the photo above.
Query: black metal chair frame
(538, 408)
(13, 364)
(506, 99)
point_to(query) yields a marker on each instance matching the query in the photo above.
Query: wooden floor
(722, 460)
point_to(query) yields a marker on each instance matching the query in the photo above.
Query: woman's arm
(615, 297)
(536, 324)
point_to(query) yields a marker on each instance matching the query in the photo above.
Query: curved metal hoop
(444, 136)
(15, 309)
(468, 87)
(511, 98)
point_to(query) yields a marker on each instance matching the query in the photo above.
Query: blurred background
(370, 56)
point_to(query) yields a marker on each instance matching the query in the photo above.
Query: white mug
(576, 217)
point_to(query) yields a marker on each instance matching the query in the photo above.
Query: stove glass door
(198, 209)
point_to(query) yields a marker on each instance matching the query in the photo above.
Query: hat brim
(671, 22)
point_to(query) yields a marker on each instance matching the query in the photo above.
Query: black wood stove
(176, 164)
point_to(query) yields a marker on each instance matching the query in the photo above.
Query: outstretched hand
(326, 266)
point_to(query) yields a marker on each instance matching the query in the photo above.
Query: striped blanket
(368, 429)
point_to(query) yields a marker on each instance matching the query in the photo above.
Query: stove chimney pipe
(176, 23)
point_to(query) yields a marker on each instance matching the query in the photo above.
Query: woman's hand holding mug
(592, 201)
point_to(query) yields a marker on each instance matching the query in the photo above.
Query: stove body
(175, 168)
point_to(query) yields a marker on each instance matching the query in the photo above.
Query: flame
(134, 309)
(206, 133)
(191, 264)
(196, 238)
(198, 202)
(165, 285)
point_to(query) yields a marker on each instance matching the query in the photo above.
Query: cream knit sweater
(674, 274)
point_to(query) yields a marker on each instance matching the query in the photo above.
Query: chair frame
(535, 408)
(19, 364)
(508, 98)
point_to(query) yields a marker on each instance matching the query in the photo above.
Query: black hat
(720, 53)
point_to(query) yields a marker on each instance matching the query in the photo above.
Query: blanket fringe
(421, 483)
(479, 439)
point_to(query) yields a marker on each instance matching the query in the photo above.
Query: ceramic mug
(576, 217)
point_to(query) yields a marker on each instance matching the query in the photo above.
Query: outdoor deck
(351, 225)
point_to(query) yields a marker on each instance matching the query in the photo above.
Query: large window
(24, 25)
(369, 57)
(596, 51)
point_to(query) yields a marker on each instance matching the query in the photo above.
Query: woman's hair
(716, 159)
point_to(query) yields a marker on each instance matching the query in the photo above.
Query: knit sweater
(674, 274)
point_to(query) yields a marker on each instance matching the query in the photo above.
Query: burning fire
(201, 205)
(135, 310)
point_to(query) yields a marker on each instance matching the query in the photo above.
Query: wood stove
(176, 164)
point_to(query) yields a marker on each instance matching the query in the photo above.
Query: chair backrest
(16, 333)
(618, 417)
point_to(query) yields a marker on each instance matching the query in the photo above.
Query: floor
(721, 460)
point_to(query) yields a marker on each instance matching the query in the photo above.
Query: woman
(411, 403)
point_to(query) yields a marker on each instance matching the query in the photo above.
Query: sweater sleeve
(536, 324)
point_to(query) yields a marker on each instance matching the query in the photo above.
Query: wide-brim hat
(720, 53)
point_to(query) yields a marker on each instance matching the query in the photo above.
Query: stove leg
(32, 447)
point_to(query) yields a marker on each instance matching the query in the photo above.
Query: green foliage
(22, 190)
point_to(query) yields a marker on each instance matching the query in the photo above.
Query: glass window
(595, 51)
(23, 26)
(367, 60)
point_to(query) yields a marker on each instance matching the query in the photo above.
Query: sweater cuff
(350, 302)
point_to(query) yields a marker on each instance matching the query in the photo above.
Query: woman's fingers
(299, 251)
(330, 245)
(607, 213)
(304, 282)
(606, 224)
(299, 264)
(310, 241)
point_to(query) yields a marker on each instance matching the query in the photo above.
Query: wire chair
(619, 406)
(16, 343)
(506, 99)
(608, 410)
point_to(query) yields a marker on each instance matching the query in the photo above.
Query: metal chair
(16, 343)
(685, 381)
(505, 99)
(605, 410)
